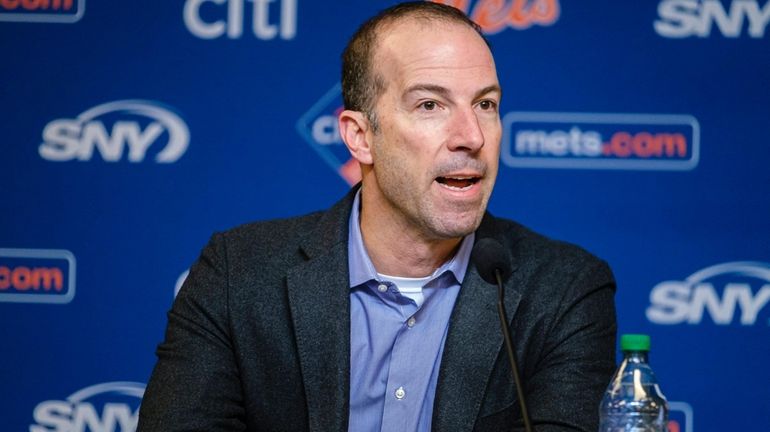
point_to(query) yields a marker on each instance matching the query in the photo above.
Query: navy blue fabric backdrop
(133, 130)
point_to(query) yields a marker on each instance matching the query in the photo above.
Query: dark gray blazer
(258, 337)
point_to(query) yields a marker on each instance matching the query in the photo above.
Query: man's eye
(428, 105)
(487, 105)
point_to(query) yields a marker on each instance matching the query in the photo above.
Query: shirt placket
(407, 380)
(402, 407)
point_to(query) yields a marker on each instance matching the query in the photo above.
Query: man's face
(436, 150)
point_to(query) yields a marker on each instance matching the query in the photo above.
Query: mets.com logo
(37, 276)
(125, 129)
(724, 292)
(600, 141)
(42, 11)
(107, 407)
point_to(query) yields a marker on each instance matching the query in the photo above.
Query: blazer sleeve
(577, 358)
(195, 385)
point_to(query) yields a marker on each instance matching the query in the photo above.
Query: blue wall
(133, 130)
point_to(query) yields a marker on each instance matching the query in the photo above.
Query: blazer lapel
(474, 341)
(318, 292)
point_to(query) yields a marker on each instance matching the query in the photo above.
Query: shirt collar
(362, 270)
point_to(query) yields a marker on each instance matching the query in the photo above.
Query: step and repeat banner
(131, 131)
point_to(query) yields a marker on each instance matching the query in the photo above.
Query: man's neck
(399, 249)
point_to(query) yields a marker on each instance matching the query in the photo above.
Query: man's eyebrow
(432, 88)
(443, 91)
(494, 88)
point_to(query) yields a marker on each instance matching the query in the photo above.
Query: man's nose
(466, 132)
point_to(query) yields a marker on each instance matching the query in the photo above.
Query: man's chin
(453, 228)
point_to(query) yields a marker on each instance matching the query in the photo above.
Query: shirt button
(400, 393)
(382, 288)
(411, 321)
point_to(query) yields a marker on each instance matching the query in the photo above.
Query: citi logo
(320, 130)
(136, 126)
(50, 11)
(212, 19)
(600, 141)
(724, 292)
(37, 276)
(687, 18)
(495, 16)
(107, 407)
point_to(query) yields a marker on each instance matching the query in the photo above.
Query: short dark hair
(361, 85)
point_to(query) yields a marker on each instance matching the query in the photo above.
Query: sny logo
(743, 284)
(497, 15)
(219, 21)
(107, 407)
(50, 11)
(37, 276)
(685, 18)
(136, 124)
(319, 128)
(600, 141)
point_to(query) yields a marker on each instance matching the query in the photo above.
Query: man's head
(362, 83)
(426, 75)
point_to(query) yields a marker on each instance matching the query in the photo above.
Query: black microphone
(494, 266)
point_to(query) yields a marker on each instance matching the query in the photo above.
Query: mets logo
(497, 15)
(37, 276)
(319, 128)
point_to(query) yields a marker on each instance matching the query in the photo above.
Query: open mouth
(458, 183)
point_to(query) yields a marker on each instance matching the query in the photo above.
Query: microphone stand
(509, 348)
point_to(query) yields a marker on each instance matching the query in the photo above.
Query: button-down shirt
(395, 345)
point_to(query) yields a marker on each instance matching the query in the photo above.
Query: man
(370, 316)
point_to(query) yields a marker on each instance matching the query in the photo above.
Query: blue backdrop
(133, 130)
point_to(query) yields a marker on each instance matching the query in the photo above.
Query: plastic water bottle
(633, 401)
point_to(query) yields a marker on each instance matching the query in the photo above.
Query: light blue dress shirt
(396, 346)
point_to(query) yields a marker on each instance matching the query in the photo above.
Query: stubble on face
(434, 220)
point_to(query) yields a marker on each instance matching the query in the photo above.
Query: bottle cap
(635, 342)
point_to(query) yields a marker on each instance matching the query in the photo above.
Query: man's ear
(354, 130)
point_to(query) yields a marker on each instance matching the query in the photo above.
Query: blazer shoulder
(313, 233)
(268, 239)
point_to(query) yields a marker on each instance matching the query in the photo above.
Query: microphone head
(489, 255)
